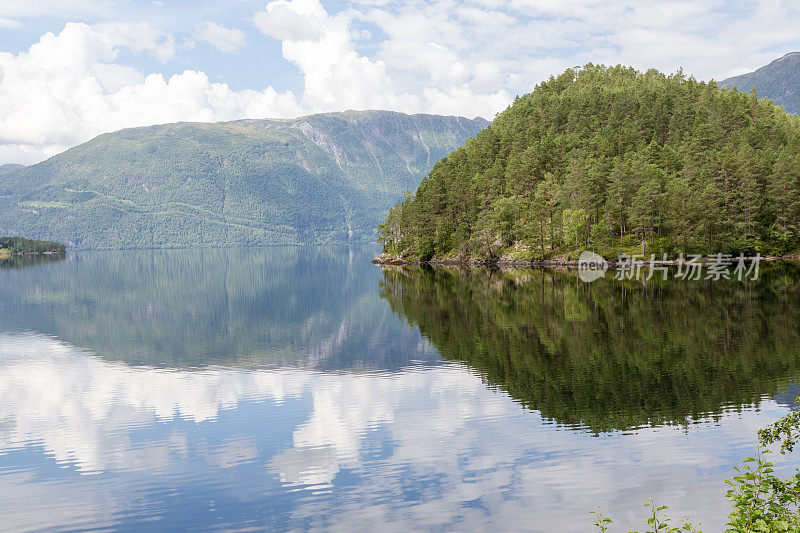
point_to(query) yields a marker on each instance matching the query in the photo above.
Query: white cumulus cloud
(423, 56)
(138, 36)
(67, 88)
(291, 21)
(337, 76)
(228, 40)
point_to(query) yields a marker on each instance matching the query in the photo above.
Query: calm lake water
(304, 388)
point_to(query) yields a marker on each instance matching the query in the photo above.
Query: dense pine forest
(605, 158)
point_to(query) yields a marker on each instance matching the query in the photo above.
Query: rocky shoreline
(390, 260)
(469, 262)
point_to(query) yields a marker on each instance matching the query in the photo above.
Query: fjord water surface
(304, 388)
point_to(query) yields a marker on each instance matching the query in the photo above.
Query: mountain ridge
(316, 179)
(779, 81)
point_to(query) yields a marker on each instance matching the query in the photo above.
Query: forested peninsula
(605, 158)
(20, 246)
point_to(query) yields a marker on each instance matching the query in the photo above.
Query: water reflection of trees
(610, 354)
(25, 260)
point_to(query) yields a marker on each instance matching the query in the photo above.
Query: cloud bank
(462, 58)
(67, 88)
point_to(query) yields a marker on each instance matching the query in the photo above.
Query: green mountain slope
(605, 158)
(8, 169)
(319, 179)
(779, 81)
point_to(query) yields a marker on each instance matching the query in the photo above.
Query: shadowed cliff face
(313, 180)
(609, 355)
(299, 306)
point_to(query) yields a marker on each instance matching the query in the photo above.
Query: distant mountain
(7, 169)
(319, 179)
(779, 81)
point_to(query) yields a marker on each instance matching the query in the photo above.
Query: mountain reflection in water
(284, 389)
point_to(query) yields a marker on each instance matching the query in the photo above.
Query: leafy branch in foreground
(655, 522)
(786, 431)
(761, 501)
(601, 521)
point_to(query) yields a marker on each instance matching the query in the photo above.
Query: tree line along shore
(20, 246)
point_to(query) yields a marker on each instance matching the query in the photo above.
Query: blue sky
(70, 70)
(257, 63)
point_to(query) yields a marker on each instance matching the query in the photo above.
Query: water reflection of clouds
(394, 451)
(81, 409)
